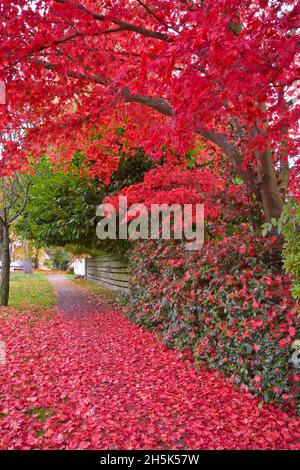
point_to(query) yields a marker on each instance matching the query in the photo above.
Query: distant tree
(59, 258)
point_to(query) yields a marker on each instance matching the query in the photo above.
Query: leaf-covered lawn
(96, 381)
(31, 290)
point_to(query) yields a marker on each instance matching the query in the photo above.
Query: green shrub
(228, 305)
(288, 226)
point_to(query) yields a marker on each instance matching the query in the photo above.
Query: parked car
(16, 266)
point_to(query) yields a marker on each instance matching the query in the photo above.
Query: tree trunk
(27, 266)
(36, 260)
(271, 197)
(5, 268)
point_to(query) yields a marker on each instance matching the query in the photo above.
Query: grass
(31, 291)
(107, 295)
(40, 414)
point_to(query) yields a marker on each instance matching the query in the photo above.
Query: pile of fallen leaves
(93, 380)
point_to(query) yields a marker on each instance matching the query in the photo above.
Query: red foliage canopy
(164, 70)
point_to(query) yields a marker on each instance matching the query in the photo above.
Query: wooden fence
(108, 271)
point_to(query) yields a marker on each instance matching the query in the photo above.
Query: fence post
(85, 268)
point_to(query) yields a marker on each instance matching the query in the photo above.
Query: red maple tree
(164, 70)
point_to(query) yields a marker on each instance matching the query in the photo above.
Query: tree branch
(23, 205)
(233, 155)
(123, 24)
(75, 35)
(151, 13)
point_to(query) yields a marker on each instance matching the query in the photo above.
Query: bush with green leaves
(227, 305)
(288, 225)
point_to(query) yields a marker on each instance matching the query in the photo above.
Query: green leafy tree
(61, 207)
